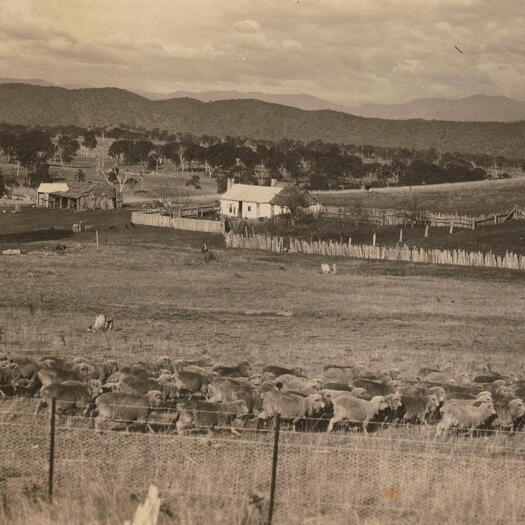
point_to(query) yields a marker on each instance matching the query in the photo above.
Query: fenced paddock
(389, 217)
(409, 478)
(510, 260)
(178, 223)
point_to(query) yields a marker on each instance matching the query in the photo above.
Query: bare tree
(181, 153)
(171, 199)
(120, 177)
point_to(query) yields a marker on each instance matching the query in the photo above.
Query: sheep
(290, 405)
(243, 369)
(466, 416)
(419, 408)
(119, 407)
(203, 414)
(300, 384)
(350, 408)
(69, 395)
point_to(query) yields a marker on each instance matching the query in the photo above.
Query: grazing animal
(227, 390)
(125, 409)
(341, 374)
(300, 384)
(138, 385)
(290, 406)
(375, 388)
(101, 324)
(70, 395)
(464, 416)
(279, 371)
(419, 408)
(337, 386)
(204, 414)
(517, 413)
(354, 410)
(243, 369)
(191, 381)
(48, 376)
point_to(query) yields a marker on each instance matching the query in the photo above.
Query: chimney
(273, 182)
(229, 183)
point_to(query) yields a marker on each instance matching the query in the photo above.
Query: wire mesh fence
(321, 478)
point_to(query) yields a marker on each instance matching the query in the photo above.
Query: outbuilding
(78, 196)
(259, 202)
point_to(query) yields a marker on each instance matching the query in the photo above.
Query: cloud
(348, 51)
(247, 26)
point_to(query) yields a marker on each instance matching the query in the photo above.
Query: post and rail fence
(291, 245)
(394, 217)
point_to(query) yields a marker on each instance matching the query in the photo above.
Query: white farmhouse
(259, 202)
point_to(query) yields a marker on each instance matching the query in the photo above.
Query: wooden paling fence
(178, 223)
(386, 253)
(388, 217)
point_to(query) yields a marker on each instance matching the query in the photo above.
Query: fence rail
(313, 479)
(510, 260)
(390, 217)
(178, 223)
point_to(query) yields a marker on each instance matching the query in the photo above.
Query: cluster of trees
(35, 148)
(314, 165)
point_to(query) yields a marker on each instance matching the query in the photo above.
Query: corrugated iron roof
(249, 193)
(77, 190)
(51, 187)
(269, 194)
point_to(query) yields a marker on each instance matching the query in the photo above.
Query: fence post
(374, 240)
(426, 230)
(277, 426)
(96, 237)
(401, 235)
(451, 230)
(51, 469)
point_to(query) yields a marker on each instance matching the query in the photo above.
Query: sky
(346, 51)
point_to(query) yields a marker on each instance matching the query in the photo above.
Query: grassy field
(166, 300)
(478, 199)
(169, 181)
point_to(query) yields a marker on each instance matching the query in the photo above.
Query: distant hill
(28, 104)
(298, 100)
(477, 108)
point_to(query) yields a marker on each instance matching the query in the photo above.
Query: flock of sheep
(185, 395)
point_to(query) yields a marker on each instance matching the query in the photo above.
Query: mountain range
(49, 105)
(475, 108)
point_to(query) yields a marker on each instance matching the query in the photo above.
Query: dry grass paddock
(166, 300)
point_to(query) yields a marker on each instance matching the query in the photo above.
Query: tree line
(315, 165)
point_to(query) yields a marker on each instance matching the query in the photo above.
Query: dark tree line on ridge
(316, 165)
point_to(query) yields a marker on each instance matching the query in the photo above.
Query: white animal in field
(355, 410)
(101, 324)
(466, 416)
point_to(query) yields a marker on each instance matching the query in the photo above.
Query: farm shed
(259, 202)
(78, 196)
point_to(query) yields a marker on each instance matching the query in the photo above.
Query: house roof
(77, 190)
(269, 194)
(51, 187)
(250, 193)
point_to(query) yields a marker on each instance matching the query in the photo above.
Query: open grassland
(166, 300)
(465, 199)
(269, 309)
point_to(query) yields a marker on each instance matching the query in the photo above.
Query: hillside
(477, 108)
(27, 104)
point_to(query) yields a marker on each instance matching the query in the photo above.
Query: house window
(249, 208)
(230, 208)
